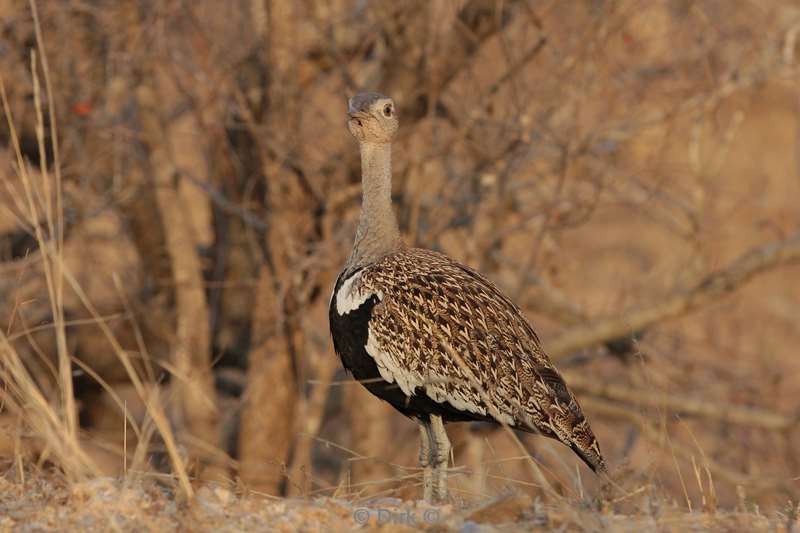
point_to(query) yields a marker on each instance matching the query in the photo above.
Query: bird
(432, 337)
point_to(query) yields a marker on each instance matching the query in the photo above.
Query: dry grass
(179, 193)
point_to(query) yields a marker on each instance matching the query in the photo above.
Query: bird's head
(372, 118)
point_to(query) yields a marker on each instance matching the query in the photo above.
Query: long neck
(377, 233)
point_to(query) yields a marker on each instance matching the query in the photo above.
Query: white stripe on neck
(351, 295)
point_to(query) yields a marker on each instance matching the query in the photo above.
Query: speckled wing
(443, 329)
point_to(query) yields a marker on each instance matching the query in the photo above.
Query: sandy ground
(46, 503)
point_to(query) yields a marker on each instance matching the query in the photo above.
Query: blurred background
(179, 191)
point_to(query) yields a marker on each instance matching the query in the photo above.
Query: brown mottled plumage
(444, 329)
(434, 338)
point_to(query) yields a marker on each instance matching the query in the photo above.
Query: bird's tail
(590, 455)
(578, 435)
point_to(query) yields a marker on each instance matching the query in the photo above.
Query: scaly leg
(440, 456)
(425, 459)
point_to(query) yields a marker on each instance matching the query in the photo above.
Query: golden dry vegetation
(178, 191)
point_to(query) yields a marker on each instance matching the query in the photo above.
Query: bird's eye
(358, 122)
(387, 110)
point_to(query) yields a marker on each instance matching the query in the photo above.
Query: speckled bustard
(432, 337)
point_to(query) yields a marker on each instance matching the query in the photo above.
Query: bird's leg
(440, 457)
(426, 446)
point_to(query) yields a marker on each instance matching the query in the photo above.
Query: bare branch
(747, 416)
(196, 405)
(710, 289)
(661, 439)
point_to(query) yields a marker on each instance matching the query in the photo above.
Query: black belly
(349, 332)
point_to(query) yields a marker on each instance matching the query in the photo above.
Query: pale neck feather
(378, 233)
